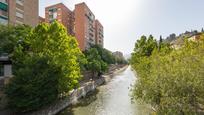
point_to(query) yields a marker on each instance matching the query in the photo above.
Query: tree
(160, 42)
(53, 41)
(144, 46)
(35, 85)
(105, 54)
(11, 35)
(46, 67)
(95, 64)
(171, 81)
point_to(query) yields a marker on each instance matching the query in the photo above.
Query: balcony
(4, 14)
(4, 2)
(3, 5)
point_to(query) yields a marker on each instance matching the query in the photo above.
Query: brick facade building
(15, 12)
(62, 14)
(80, 23)
(99, 33)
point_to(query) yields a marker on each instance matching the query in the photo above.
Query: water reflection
(111, 99)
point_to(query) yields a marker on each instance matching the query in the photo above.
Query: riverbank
(76, 94)
(106, 99)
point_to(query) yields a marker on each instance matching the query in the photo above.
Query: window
(3, 20)
(18, 14)
(52, 9)
(3, 6)
(19, 22)
(20, 2)
(18, 9)
(55, 15)
(1, 70)
(52, 14)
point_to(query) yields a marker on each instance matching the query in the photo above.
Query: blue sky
(126, 20)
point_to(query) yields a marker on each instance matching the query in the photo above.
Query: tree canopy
(170, 80)
(46, 66)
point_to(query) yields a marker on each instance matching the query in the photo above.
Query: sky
(125, 21)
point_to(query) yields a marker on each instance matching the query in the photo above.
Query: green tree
(11, 35)
(105, 54)
(53, 41)
(35, 85)
(48, 69)
(95, 64)
(171, 81)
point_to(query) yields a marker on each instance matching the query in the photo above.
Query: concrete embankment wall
(76, 94)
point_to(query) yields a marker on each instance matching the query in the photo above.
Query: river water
(113, 98)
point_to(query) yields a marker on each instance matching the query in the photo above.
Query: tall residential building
(19, 12)
(84, 26)
(62, 14)
(80, 23)
(99, 33)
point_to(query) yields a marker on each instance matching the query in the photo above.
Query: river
(112, 98)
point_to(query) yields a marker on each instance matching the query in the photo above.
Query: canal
(113, 98)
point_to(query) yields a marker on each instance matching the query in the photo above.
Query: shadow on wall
(85, 101)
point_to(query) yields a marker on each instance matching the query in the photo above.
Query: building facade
(99, 33)
(84, 26)
(41, 19)
(4, 12)
(80, 23)
(62, 14)
(14, 12)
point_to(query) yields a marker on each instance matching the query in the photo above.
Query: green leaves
(170, 80)
(11, 36)
(30, 91)
(95, 64)
(45, 66)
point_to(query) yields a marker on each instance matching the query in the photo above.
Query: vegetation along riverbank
(170, 76)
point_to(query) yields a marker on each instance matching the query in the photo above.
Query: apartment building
(84, 26)
(80, 23)
(62, 14)
(3, 12)
(99, 33)
(41, 19)
(16, 12)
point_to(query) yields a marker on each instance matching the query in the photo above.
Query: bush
(45, 67)
(35, 85)
(171, 81)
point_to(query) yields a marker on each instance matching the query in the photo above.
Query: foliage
(35, 85)
(98, 59)
(45, 67)
(53, 41)
(95, 64)
(170, 80)
(144, 46)
(105, 54)
(108, 57)
(11, 35)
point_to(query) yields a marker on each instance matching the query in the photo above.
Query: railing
(4, 13)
